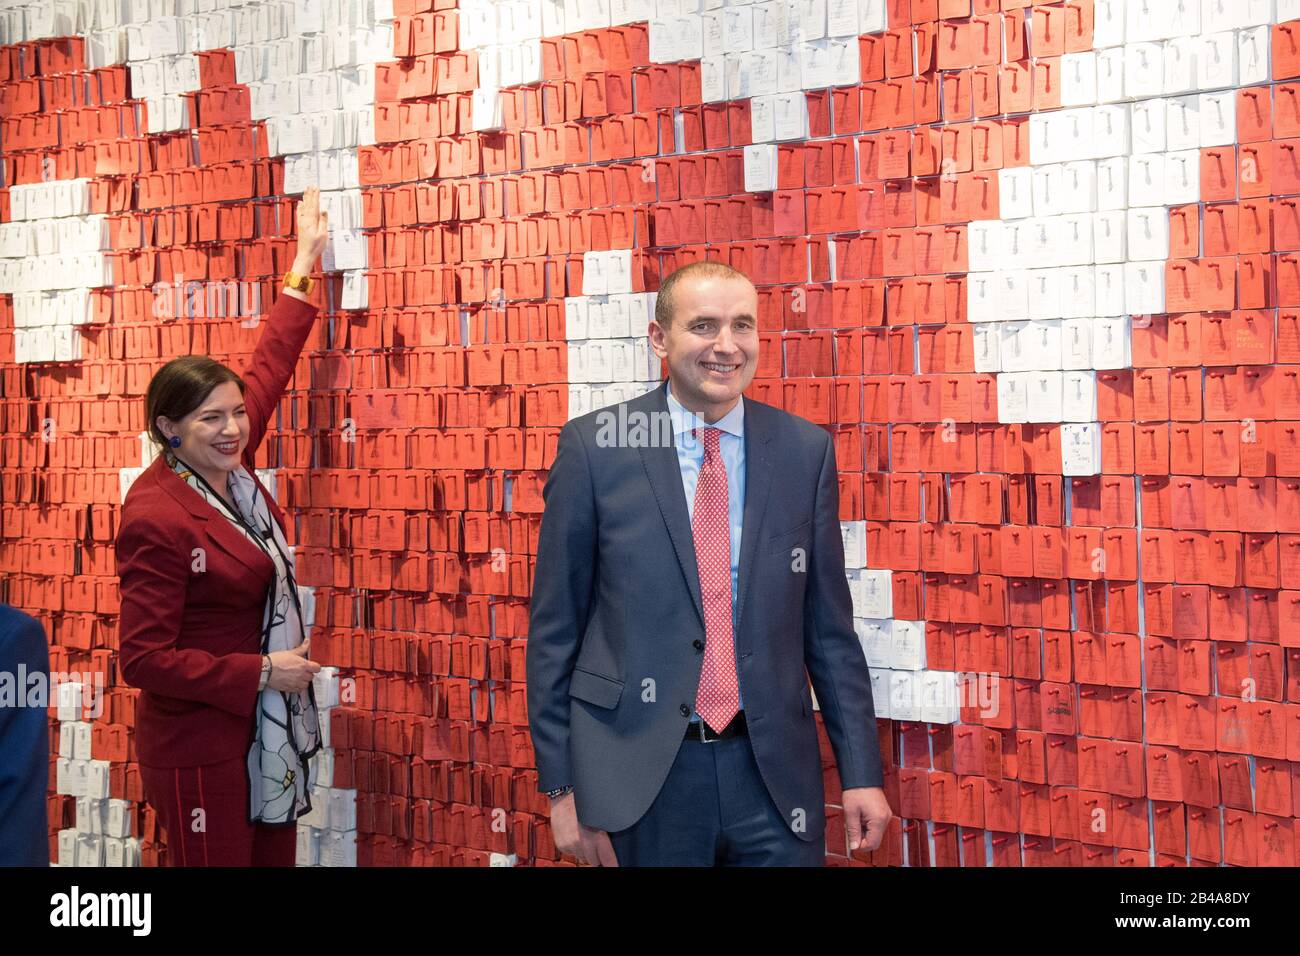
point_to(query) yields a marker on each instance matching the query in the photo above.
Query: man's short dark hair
(704, 269)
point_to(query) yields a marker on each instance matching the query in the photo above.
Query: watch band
(297, 282)
(559, 791)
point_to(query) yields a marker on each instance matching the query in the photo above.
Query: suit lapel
(236, 544)
(665, 475)
(219, 531)
(758, 482)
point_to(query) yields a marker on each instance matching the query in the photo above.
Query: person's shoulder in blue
(24, 741)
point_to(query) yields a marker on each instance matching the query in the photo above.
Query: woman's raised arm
(287, 327)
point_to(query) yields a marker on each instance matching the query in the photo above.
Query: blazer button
(685, 711)
(698, 644)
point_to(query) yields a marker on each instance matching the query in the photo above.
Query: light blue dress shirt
(690, 455)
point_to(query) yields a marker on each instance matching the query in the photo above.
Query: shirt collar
(684, 419)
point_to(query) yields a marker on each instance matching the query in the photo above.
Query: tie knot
(711, 438)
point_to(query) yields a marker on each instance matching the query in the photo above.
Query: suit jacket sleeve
(154, 572)
(832, 651)
(24, 731)
(560, 604)
(272, 364)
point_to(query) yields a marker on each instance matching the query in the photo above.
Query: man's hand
(588, 845)
(866, 815)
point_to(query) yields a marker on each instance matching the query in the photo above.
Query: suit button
(685, 711)
(698, 644)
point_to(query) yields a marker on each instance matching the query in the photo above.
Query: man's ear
(658, 339)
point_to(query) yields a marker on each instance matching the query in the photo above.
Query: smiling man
(684, 594)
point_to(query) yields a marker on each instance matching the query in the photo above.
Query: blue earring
(175, 441)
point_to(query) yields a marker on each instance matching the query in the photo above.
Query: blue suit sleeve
(25, 743)
(560, 603)
(832, 651)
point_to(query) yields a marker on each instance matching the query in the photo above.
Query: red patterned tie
(718, 698)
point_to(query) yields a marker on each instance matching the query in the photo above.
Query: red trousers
(204, 811)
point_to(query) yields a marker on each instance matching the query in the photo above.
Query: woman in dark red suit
(211, 628)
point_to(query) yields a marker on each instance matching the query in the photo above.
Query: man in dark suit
(24, 742)
(690, 577)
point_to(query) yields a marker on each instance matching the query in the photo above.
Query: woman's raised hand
(313, 231)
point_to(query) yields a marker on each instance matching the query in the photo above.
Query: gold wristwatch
(299, 283)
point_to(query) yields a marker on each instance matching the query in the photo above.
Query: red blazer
(191, 640)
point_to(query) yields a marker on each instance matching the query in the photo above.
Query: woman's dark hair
(181, 386)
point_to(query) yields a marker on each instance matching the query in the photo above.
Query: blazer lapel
(664, 471)
(235, 544)
(758, 483)
(665, 474)
(219, 531)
